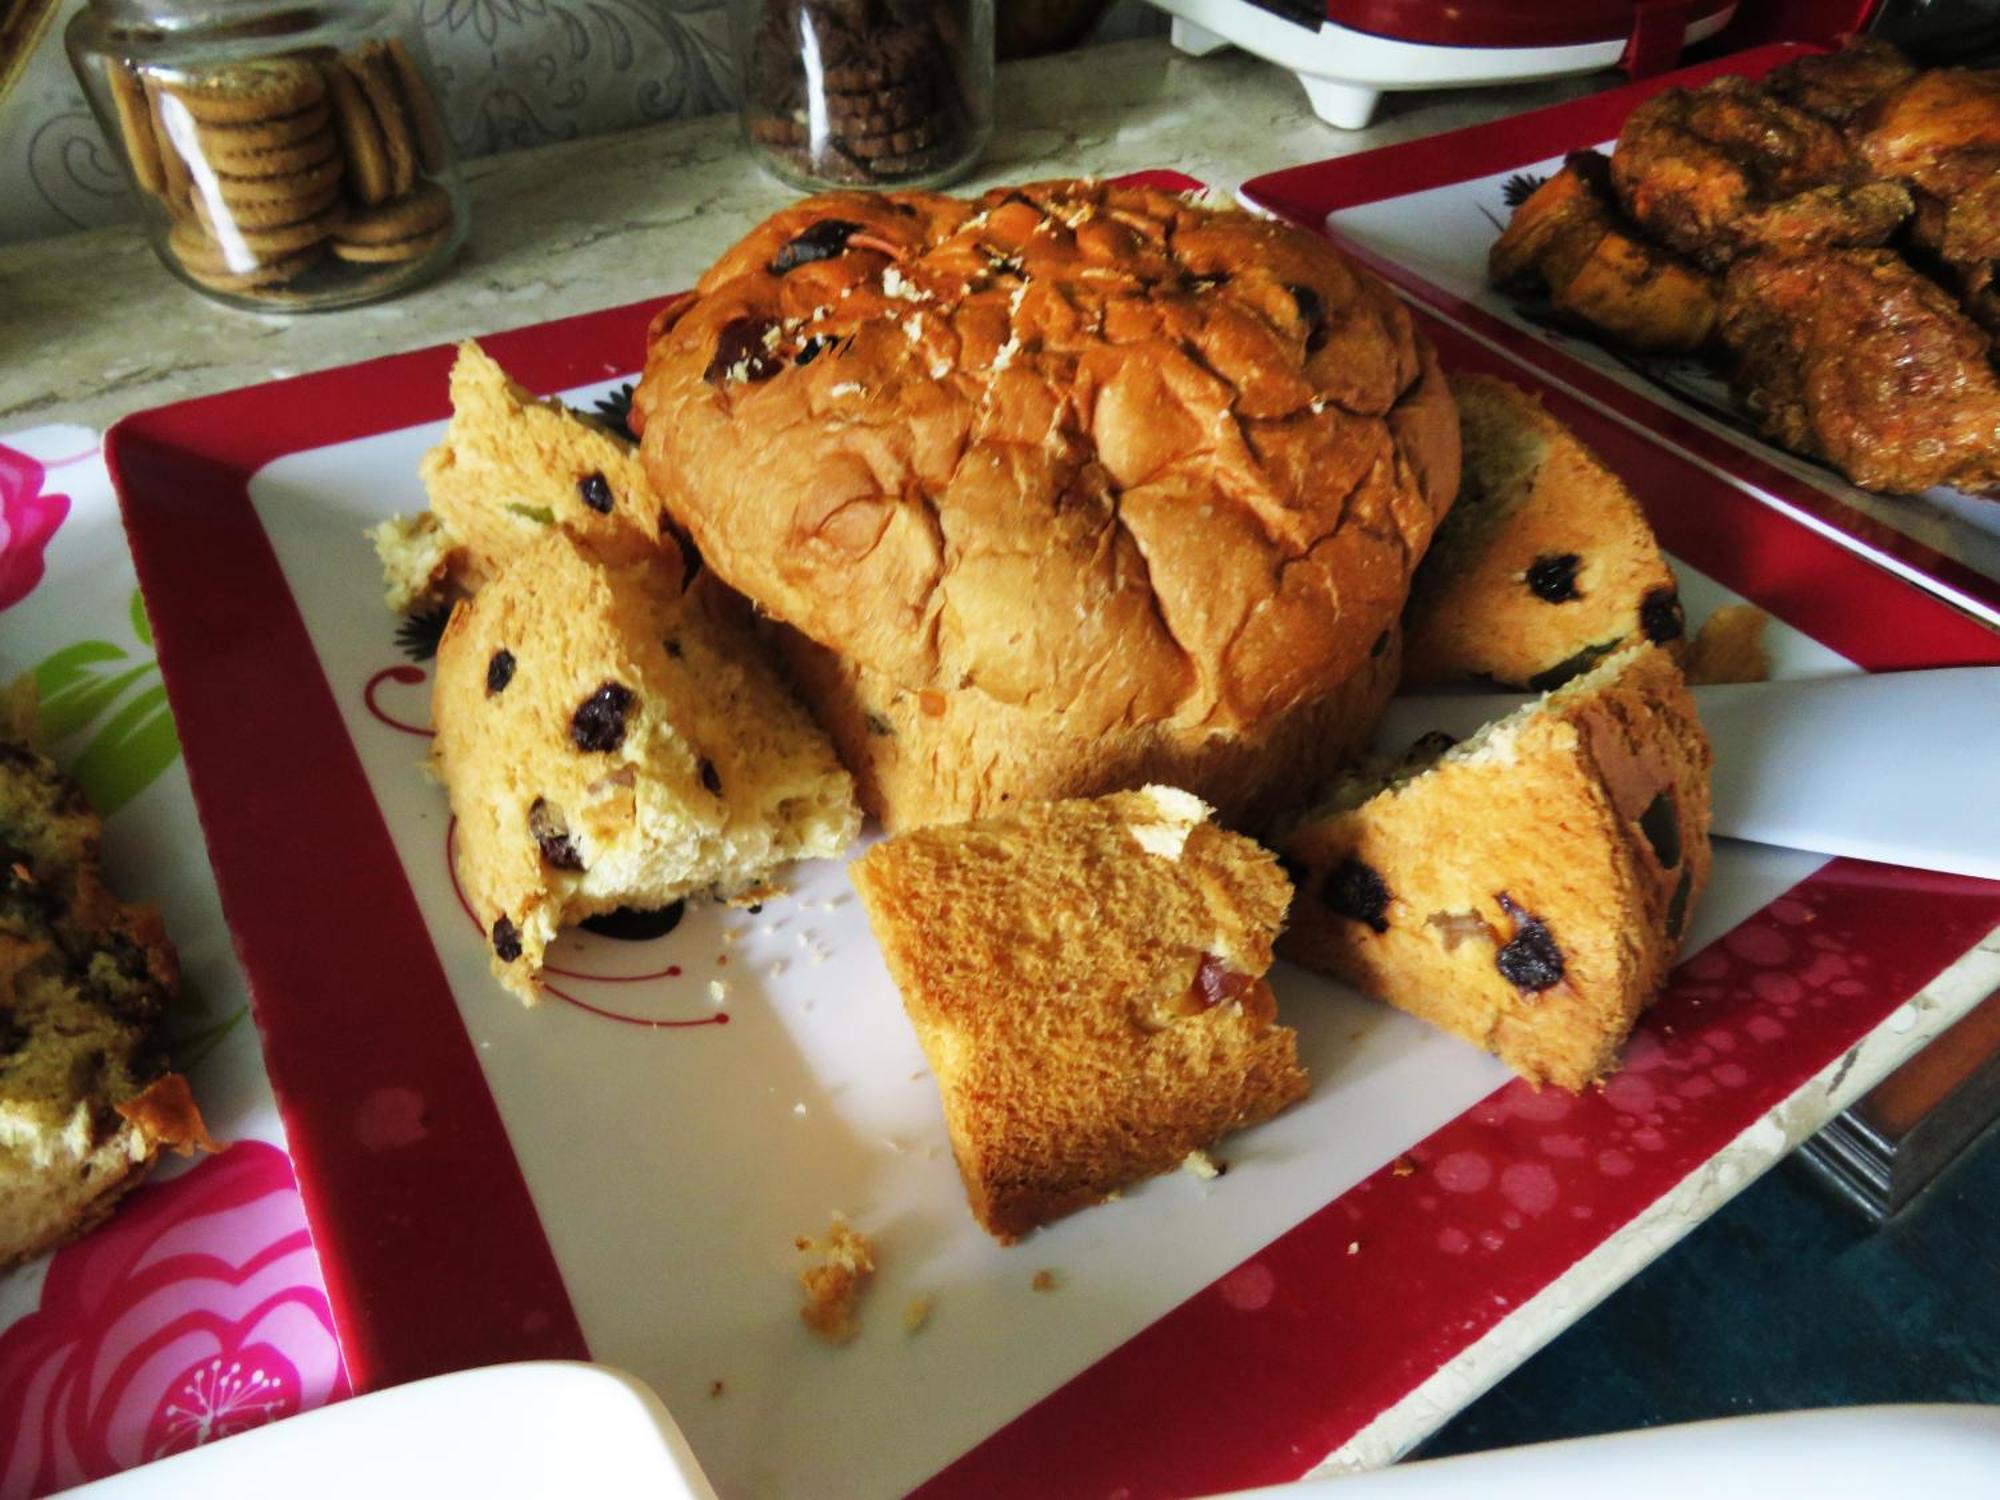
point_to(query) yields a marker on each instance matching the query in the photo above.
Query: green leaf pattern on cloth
(96, 680)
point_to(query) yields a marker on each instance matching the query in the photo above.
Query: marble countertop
(92, 327)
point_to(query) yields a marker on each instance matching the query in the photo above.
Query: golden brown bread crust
(1095, 451)
(1527, 892)
(1086, 978)
(931, 757)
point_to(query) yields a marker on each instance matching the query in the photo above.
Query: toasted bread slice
(1087, 980)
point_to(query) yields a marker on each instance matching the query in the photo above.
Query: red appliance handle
(1658, 27)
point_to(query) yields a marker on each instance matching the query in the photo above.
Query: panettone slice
(609, 740)
(1544, 566)
(87, 1097)
(1527, 889)
(510, 468)
(1087, 980)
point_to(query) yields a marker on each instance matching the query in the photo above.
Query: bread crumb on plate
(833, 1287)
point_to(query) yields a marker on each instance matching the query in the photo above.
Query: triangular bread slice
(1545, 564)
(609, 740)
(1527, 889)
(1087, 980)
(512, 466)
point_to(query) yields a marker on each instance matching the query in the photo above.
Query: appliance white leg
(1345, 106)
(1196, 41)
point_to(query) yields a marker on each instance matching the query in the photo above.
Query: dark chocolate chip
(1677, 908)
(813, 348)
(630, 925)
(1358, 893)
(709, 778)
(821, 241)
(598, 725)
(1530, 961)
(506, 940)
(1553, 577)
(1313, 310)
(1661, 617)
(596, 493)
(741, 353)
(1661, 823)
(499, 672)
(552, 834)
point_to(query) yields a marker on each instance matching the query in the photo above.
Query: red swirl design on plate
(198, 1311)
(409, 677)
(671, 971)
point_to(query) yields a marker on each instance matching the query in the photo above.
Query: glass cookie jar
(866, 93)
(285, 158)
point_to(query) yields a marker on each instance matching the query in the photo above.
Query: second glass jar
(866, 93)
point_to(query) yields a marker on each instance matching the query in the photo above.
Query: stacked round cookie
(845, 91)
(267, 166)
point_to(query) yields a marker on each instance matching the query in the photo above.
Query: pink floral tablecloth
(198, 1311)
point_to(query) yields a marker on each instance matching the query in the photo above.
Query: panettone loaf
(1527, 889)
(931, 757)
(1545, 565)
(1094, 451)
(1087, 980)
(609, 740)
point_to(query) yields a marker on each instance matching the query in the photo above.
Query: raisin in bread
(1528, 888)
(1087, 980)
(1545, 565)
(87, 1097)
(932, 757)
(610, 740)
(511, 467)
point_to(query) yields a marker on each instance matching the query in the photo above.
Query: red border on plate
(434, 1258)
(1306, 195)
(433, 1254)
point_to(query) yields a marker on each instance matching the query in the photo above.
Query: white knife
(1902, 767)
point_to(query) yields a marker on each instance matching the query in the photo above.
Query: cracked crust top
(1094, 450)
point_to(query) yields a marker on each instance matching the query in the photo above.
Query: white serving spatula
(1902, 767)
